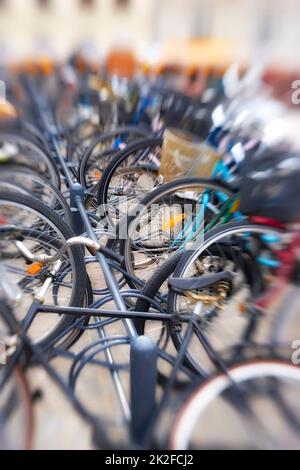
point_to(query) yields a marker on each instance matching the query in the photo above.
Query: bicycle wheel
(22, 179)
(101, 151)
(130, 175)
(27, 220)
(25, 129)
(248, 407)
(237, 248)
(15, 149)
(171, 215)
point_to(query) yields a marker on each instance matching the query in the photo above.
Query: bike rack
(143, 353)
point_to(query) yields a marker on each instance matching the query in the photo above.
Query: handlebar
(84, 241)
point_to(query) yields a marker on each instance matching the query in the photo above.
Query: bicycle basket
(183, 154)
(270, 185)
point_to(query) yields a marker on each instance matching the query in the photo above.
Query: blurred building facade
(257, 28)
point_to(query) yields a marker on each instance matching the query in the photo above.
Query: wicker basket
(183, 154)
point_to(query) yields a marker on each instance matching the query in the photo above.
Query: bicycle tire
(154, 196)
(190, 255)
(41, 153)
(204, 394)
(18, 172)
(138, 131)
(116, 161)
(80, 278)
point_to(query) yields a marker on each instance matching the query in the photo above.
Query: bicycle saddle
(199, 282)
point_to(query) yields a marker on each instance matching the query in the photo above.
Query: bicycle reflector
(34, 269)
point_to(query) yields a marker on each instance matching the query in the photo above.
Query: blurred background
(190, 32)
